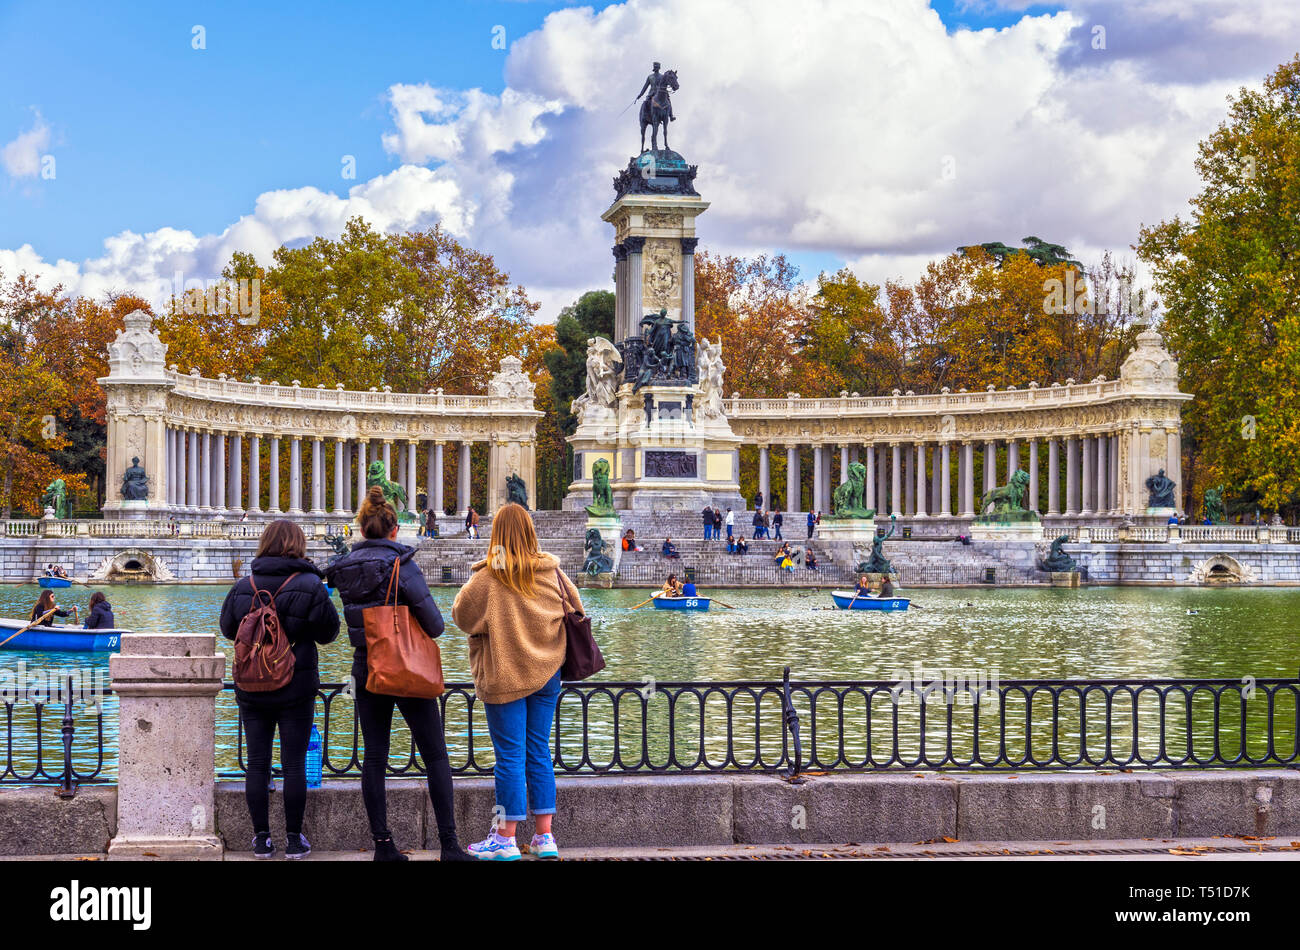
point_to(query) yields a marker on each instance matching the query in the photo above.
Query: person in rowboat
(864, 587)
(99, 616)
(886, 586)
(46, 605)
(672, 587)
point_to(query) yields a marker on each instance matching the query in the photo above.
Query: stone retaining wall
(722, 809)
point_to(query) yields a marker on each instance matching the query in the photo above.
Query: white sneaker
(495, 848)
(544, 846)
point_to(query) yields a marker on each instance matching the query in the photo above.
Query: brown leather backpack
(263, 656)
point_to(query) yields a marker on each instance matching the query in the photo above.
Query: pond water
(1094, 633)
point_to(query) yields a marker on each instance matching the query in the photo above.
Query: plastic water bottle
(314, 758)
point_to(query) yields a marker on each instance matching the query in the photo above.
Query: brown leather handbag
(402, 659)
(582, 657)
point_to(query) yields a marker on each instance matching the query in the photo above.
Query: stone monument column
(340, 477)
(236, 503)
(1072, 475)
(295, 475)
(219, 468)
(255, 474)
(688, 282)
(462, 479)
(438, 478)
(361, 471)
(968, 479)
(945, 482)
(896, 478)
(1053, 476)
(136, 392)
(166, 687)
(317, 477)
(793, 492)
(1033, 475)
(634, 245)
(274, 499)
(919, 511)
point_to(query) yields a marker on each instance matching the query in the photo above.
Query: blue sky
(150, 135)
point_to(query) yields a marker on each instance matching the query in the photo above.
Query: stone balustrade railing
(337, 398)
(1034, 396)
(1193, 534)
(153, 528)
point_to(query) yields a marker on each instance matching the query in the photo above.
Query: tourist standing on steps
(717, 524)
(778, 519)
(812, 523)
(362, 579)
(471, 522)
(707, 515)
(512, 610)
(307, 617)
(731, 522)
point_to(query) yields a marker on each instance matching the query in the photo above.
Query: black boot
(385, 850)
(451, 849)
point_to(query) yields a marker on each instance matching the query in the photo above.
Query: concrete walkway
(1195, 850)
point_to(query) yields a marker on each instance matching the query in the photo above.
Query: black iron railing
(936, 720)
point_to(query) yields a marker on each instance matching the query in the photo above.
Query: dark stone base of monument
(600, 581)
(1065, 578)
(1014, 525)
(662, 172)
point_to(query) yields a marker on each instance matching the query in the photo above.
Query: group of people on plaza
(512, 611)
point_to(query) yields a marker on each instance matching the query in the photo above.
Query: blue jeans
(729, 527)
(521, 737)
(776, 533)
(708, 532)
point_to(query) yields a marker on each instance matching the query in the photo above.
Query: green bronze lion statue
(1007, 498)
(56, 497)
(850, 498)
(395, 493)
(602, 494)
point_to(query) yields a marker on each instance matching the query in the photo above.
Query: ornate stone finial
(296, 384)
(1150, 367)
(512, 383)
(990, 388)
(339, 387)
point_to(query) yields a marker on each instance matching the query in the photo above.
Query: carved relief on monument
(662, 219)
(662, 284)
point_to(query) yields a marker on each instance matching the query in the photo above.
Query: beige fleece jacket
(515, 643)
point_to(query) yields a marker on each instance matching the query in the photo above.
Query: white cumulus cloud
(21, 158)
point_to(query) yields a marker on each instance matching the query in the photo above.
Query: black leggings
(294, 720)
(424, 719)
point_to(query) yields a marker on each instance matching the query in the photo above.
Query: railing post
(791, 719)
(68, 788)
(167, 687)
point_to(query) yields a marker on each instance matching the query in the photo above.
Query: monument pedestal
(611, 532)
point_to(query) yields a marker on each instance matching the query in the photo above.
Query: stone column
(1072, 475)
(635, 278)
(844, 464)
(909, 480)
(192, 479)
(166, 686)
(1086, 484)
(1013, 458)
(620, 293)
(688, 288)
(295, 476)
(462, 479)
(1103, 476)
(1174, 463)
(936, 477)
(388, 459)
(765, 476)
(882, 481)
(205, 472)
(990, 466)
(896, 478)
(945, 483)
(869, 492)
(1053, 476)
(412, 486)
(237, 474)
(919, 510)
(219, 469)
(792, 493)
(169, 449)
(819, 472)
(317, 482)
(274, 497)
(361, 471)
(340, 478)
(1033, 475)
(1114, 473)
(255, 474)
(968, 479)
(438, 505)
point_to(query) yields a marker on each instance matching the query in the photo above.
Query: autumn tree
(591, 315)
(1229, 278)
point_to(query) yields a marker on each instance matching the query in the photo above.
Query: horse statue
(656, 110)
(1007, 498)
(393, 492)
(598, 561)
(850, 498)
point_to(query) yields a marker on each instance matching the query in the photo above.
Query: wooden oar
(644, 602)
(720, 603)
(35, 623)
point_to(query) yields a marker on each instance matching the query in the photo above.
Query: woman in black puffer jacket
(308, 617)
(362, 579)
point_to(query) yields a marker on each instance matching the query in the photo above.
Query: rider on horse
(658, 87)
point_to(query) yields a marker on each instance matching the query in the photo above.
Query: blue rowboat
(54, 582)
(59, 639)
(681, 603)
(844, 600)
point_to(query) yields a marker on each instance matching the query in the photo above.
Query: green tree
(1229, 278)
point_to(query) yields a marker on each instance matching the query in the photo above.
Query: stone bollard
(167, 687)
